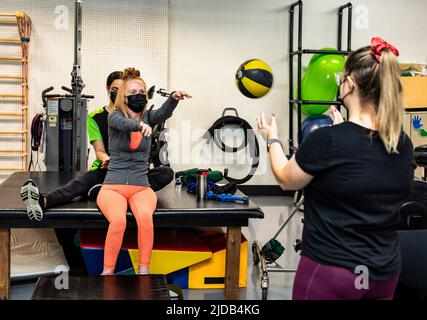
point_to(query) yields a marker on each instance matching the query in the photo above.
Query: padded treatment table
(175, 208)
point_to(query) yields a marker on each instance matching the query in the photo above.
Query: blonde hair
(390, 107)
(379, 84)
(128, 75)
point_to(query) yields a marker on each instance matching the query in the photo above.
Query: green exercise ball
(254, 78)
(319, 82)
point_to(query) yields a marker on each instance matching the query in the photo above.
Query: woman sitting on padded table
(356, 175)
(88, 184)
(126, 181)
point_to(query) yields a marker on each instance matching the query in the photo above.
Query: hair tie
(378, 45)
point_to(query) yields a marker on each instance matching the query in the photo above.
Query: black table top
(140, 287)
(175, 207)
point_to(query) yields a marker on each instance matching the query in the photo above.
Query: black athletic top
(351, 205)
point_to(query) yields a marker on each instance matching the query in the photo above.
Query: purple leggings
(314, 281)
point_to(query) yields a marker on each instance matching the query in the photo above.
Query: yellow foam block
(167, 261)
(215, 268)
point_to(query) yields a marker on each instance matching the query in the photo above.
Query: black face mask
(341, 99)
(137, 102)
(113, 96)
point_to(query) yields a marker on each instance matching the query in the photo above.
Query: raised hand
(336, 115)
(269, 131)
(180, 95)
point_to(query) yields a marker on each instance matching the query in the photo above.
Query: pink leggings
(113, 201)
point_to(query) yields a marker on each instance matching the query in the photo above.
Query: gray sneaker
(30, 195)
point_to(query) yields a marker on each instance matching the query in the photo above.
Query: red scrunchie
(378, 45)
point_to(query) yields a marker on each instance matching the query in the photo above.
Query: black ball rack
(298, 101)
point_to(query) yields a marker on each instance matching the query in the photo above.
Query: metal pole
(339, 30)
(335, 52)
(291, 79)
(350, 24)
(291, 72)
(78, 33)
(294, 211)
(340, 27)
(77, 85)
(299, 69)
(350, 18)
(341, 9)
(339, 47)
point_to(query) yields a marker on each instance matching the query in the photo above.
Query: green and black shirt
(97, 127)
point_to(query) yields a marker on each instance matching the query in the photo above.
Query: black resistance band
(250, 138)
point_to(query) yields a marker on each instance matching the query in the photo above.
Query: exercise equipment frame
(299, 53)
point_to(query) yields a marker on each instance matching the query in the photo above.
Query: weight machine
(64, 118)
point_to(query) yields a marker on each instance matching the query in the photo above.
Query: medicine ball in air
(254, 78)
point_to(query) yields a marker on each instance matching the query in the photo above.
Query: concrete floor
(276, 210)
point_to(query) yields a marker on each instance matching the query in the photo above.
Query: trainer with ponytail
(355, 175)
(126, 182)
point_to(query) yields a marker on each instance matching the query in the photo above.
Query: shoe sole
(96, 186)
(30, 195)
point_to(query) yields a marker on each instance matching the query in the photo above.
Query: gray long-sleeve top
(127, 166)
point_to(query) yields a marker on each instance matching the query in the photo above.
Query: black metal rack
(300, 52)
